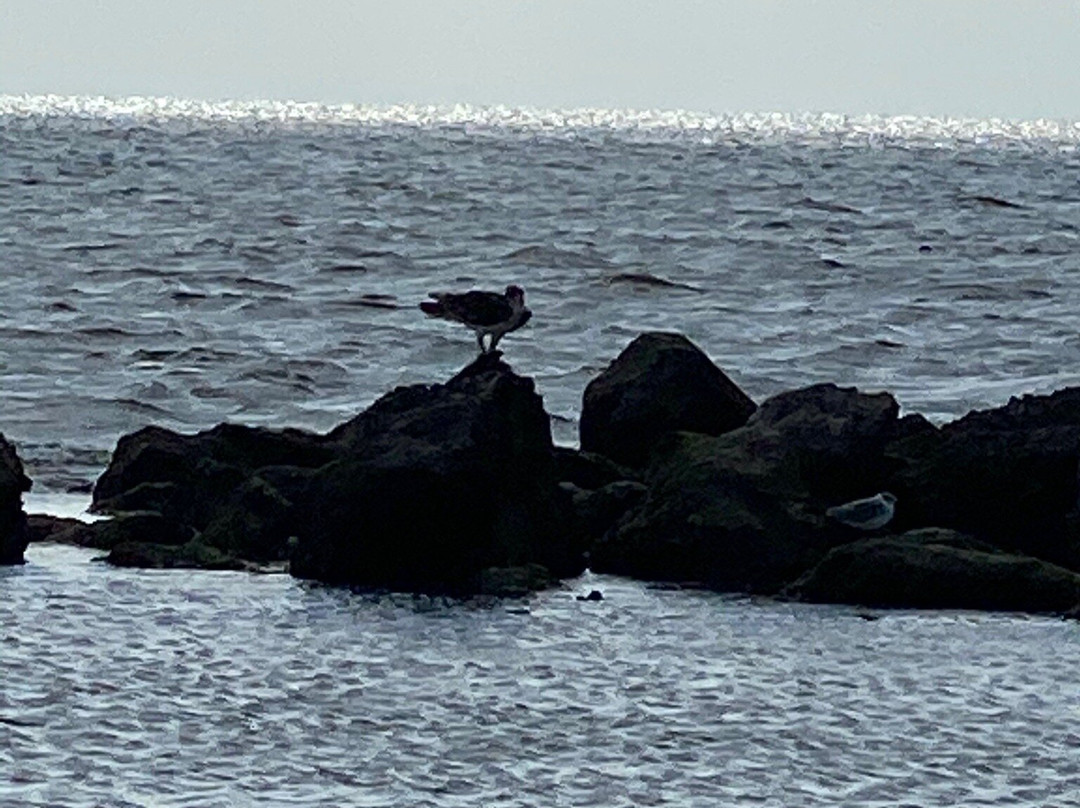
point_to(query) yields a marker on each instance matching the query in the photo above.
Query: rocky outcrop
(197, 480)
(745, 511)
(229, 489)
(13, 484)
(456, 488)
(437, 484)
(432, 488)
(660, 383)
(1007, 476)
(189, 555)
(937, 569)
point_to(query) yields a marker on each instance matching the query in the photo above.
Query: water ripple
(304, 695)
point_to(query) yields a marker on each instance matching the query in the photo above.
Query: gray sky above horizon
(982, 58)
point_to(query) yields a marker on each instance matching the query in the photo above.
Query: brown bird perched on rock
(486, 313)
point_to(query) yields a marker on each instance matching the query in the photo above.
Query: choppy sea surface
(184, 263)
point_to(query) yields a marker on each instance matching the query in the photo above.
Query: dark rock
(13, 484)
(142, 527)
(946, 538)
(594, 595)
(44, 528)
(744, 511)
(587, 469)
(834, 437)
(597, 511)
(257, 520)
(187, 475)
(918, 572)
(1007, 476)
(191, 555)
(215, 482)
(438, 483)
(660, 383)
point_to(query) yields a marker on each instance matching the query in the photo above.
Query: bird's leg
(480, 341)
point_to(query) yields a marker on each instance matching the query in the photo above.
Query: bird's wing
(862, 510)
(477, 308)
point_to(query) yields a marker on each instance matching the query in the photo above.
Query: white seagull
(866, 514)
(486, 313)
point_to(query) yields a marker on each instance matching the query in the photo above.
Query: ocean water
(184, 263)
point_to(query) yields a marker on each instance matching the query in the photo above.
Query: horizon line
(520, 116)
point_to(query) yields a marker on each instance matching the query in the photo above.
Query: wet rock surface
(13, 484)
(1007, 475)
(437, 483)
(942, 571)
(745, 511)
(660, 383)
(426, 490)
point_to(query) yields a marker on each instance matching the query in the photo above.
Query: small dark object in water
(995, 202)
(925, 248)
(376, 301)
(829, 207)
(596, 594)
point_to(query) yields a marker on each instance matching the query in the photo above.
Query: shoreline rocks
(456, 488)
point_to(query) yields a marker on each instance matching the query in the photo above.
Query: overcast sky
(1008, 58)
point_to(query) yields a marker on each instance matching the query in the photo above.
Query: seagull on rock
(865, 514)
(489, 314)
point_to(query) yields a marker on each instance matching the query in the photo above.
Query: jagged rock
(835, 437)
(660, 383)
(200, 465)
(745, 511)
(13, 484)
(1007, 476)
(439, 483)
(943, 571)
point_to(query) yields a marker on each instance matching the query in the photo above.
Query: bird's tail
(431, 308)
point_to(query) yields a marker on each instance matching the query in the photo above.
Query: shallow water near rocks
(150, 688)
(184, 263)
